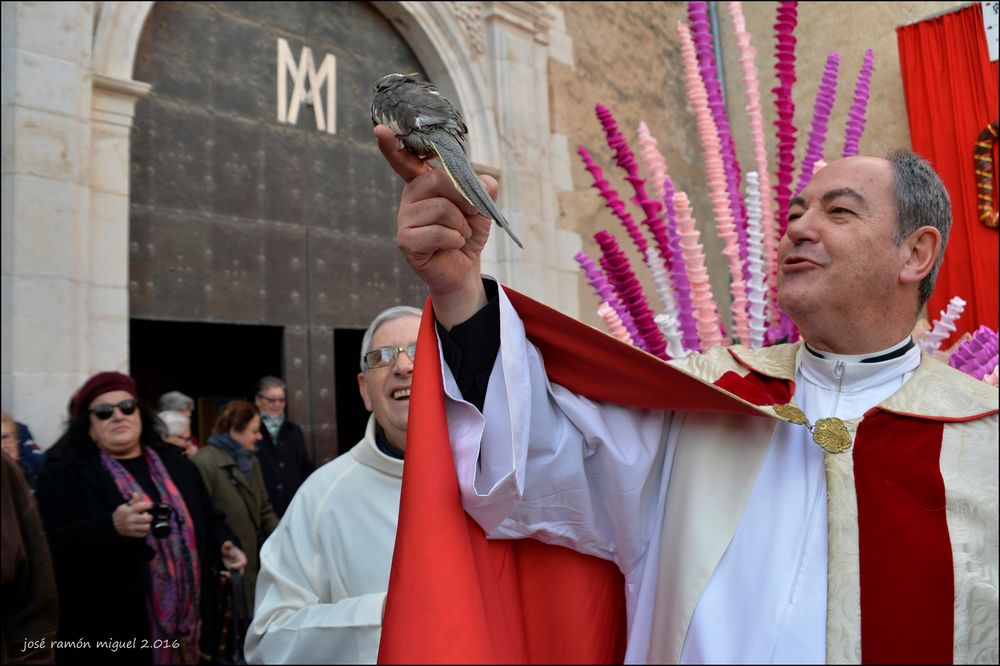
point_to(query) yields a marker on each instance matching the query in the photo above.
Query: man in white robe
(718, 523)
(325, 569)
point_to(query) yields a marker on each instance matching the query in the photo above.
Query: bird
(428, 124)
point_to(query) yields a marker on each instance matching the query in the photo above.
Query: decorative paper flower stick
(977, 356)
(662, 186)
(613, 202)
(706, 312)
(667, 320)
(701, 33)
(605, 291)
(613, 322)
(716, 184)
(825, 98)
(757, 286)
(856, 116)
(784, 28)
(624, 158)
(944, 326)
(617, 267)
(751, 79)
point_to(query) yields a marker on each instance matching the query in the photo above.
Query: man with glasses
(324, 572)
(282, 448)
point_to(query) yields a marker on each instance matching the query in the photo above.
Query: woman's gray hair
(395, 312)
(175, 400)
(174, 421)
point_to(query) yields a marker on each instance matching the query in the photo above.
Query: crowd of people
(124, 549)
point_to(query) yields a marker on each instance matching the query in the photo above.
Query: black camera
(161, 519)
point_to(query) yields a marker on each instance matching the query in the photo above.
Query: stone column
(46, 110)
(518, 47)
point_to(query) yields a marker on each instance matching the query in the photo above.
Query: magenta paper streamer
(613, 202)
(825, 98)
(785, 107)
(856, 116)
(977, 356)
(605, 291)
(663, 187)
(626, 161)
(619, 271)
(701, 33)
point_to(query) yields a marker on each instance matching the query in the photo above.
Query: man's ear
(922, 247)
(363, 389)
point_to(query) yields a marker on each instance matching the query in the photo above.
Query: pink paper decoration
(856, 116)
(663, 187)
(716, 184)
(614, 323)
(825, 97)
(706, 314)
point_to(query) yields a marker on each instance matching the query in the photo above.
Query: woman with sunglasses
(133, 536)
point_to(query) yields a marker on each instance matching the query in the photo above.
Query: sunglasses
(105, 411)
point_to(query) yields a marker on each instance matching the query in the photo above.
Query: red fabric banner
(952, 91)
(907, 575)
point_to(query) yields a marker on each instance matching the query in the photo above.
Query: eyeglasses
(385, 356)
(271, 401)
(105, 411)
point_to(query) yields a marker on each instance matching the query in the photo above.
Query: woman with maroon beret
(133, 535)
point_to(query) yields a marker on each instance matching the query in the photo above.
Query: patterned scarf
(242, 456)
(273, 425)
(173, 598)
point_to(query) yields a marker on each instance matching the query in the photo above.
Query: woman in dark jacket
(132, 533)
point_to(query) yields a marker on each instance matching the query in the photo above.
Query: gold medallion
(791, 413)
(832, 435)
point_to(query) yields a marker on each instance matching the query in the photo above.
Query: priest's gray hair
(395, 312)
(921, 201)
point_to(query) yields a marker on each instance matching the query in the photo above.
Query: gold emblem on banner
(830, 433)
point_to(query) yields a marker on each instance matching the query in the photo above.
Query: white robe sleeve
(547, 463)
(294, 623)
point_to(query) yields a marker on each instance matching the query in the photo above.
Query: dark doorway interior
(352, 417)
(209, 362)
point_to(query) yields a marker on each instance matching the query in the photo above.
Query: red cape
(456, 597)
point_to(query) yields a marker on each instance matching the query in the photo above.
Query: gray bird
(428, 124)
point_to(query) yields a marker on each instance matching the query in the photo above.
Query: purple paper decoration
(977, 356)
(619, 271)
(784, 67)
(825, 98)
(678, 273)
(701, 34)
(856, 116)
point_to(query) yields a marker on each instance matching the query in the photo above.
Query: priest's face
(838, 264)
(386, 388)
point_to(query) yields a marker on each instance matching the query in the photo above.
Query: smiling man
(829, 501)
(325, 571)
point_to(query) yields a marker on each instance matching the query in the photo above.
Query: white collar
(848, 374)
